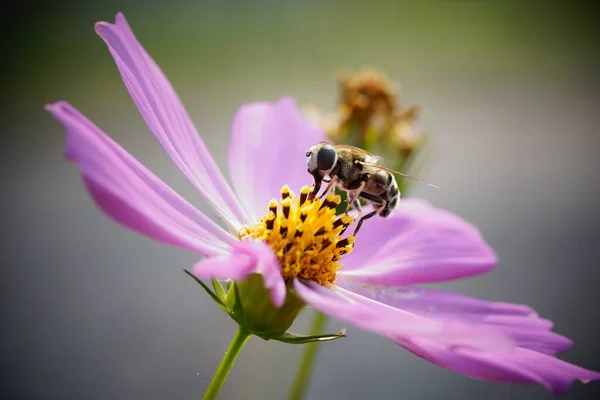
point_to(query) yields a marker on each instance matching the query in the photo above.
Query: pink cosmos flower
(297, 246)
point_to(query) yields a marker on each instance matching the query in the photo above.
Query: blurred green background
(90, 310)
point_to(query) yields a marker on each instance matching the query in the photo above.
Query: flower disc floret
(305, 235)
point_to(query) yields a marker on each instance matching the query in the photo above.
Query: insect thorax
(349, 174)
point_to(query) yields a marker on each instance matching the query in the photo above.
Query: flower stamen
(305, 234)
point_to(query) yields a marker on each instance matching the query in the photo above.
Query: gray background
(91, 310)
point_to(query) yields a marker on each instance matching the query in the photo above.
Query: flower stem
(311, 350)
(236, 345)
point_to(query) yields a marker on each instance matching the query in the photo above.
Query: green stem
(300, 385)
(236, 345)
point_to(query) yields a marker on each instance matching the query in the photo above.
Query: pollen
(305, 234)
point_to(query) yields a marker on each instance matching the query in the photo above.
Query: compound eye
(326, 157)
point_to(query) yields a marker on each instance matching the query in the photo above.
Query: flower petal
(417, 243)
(126, 191)
(247, 257)
(168, 120)
(267, 151)
(388, 321)
(517, 365)
(530, 361)
(519, 322)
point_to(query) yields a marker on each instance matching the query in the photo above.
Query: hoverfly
(358, 173)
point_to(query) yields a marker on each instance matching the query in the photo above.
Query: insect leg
(352, 197)
(382, 203)
(356, 206)
(360, 222)
(329, 188)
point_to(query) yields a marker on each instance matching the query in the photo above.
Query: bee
(358, 173)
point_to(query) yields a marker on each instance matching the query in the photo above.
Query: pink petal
(530, 361)
(388, 321)
(519, 322)
(126, 191)
(268, 146)
(167, 118)
(417, 243)
(517, 365)
(247, 257)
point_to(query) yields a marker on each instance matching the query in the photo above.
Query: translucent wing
(354, 149)
(360, 153)
(392, 171)
(375, 160)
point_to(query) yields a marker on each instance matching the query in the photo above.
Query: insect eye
(326, 157)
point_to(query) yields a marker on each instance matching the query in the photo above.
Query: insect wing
(374, 160)
(360, 154)
(392, 171)
(353, 149)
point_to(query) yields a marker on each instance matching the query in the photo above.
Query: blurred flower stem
(309, 357)
(371, 116)
(232, 353)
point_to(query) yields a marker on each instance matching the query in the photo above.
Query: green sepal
(237, 311)
(249, 305)
(216, 298)
(219, 290)
(294, 338)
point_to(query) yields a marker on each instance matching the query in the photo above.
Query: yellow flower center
(305, 234)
